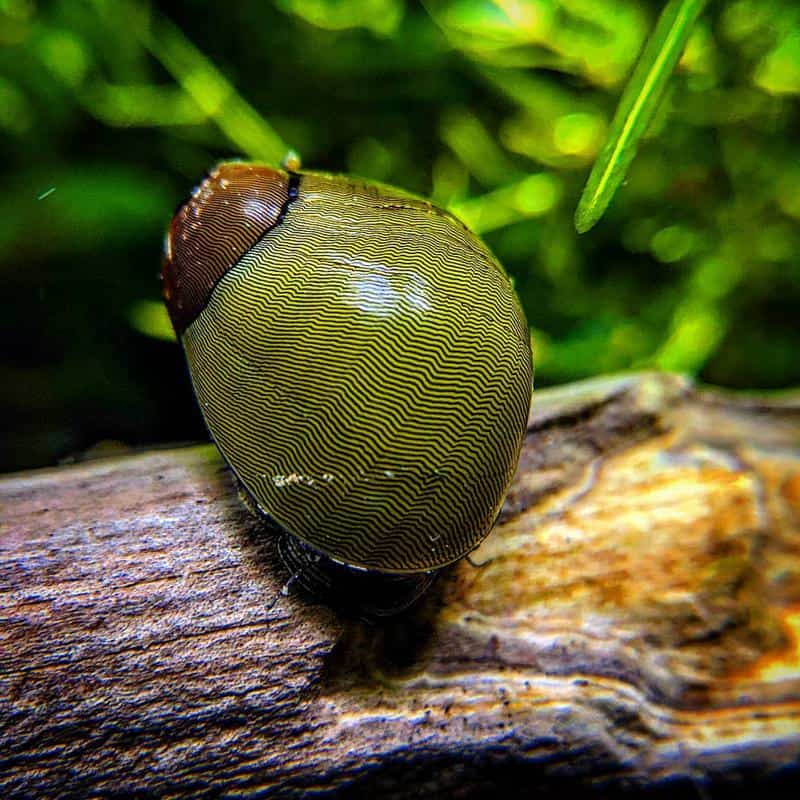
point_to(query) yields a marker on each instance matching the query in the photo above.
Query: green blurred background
(111, 111)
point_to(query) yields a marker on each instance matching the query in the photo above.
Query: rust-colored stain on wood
(636, 622)
(672, 541)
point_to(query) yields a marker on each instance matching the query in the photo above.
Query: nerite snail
(360, 359)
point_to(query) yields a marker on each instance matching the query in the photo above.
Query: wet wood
(636, 624)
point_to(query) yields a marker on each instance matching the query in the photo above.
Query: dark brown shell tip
(227, 213)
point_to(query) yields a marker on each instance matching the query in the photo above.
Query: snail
(362, 363)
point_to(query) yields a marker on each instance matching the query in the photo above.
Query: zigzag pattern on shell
(365, 369)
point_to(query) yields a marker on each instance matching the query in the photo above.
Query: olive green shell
(365, 369)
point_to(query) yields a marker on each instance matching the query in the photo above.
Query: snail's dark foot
(355, 591)
(363, 593)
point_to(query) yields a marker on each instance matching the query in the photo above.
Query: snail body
(360, 359)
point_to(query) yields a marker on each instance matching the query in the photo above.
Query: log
(635, 623)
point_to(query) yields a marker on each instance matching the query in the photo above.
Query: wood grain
(636, 624)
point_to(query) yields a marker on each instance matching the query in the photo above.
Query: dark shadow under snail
(363, 365)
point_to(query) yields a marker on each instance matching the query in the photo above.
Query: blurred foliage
(110, 111)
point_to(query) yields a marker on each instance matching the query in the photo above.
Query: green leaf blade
(637, 106)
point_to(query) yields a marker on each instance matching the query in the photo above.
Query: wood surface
(636, 624)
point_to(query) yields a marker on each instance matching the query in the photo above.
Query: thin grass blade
(243, 126)
(636, 108)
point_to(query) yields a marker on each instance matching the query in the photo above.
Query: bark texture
(636, 624)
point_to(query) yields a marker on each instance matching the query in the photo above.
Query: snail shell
(360, 358)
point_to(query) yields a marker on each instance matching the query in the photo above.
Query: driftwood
(636, 624)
